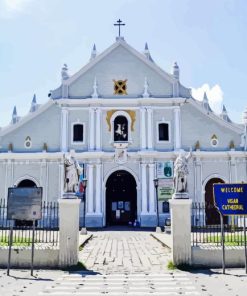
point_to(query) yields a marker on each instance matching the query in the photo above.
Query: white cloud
(214, 94)
(9, 8)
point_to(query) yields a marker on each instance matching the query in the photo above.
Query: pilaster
(143, 128)
(98, 129)
(92, 129)
(64, 130)
(177, 129)
(150, 129)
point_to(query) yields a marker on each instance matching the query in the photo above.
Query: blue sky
(208, 39)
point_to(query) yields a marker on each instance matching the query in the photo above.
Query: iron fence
(46, 229)
(206, 228)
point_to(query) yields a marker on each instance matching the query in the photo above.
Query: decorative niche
(28, 143)
(197, 146)
(214, 141)
(231, 145)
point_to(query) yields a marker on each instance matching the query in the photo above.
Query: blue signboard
(231, 199)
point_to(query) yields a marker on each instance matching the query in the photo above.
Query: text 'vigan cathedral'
(124, 121)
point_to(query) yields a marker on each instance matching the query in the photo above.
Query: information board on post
(24, 203)
(231, 199)
(165, 189)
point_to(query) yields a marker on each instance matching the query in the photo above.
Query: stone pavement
(124, 263)
(124, 251)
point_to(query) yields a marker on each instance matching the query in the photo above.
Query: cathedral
(125, 121)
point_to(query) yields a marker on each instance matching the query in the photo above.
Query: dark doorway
(25, 184)
(121, 199)
(212, 215)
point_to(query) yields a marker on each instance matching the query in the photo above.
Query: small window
(163, 132)
(78, 133)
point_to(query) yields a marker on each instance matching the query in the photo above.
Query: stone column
(150, 128)
(143, 129)
(98, 207)
(68, 231)
(90, 190)
(64, 130)
(98, 129)
(152, 201)
(144, 187)
(177, 129)
(181, 230)
(91, 129)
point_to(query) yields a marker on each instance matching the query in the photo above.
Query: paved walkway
(123, 263)
(124, 251)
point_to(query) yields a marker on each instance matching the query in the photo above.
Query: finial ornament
(95, 94)
(176, 71)
(224, 114)
(146, 86)
(15, 117)
(93, 53)
(33, 104)
(119, 24)
(64, 72)
(244, 118)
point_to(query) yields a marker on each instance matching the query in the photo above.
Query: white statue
(72, 173)
(181, 172)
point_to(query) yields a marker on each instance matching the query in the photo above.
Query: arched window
(77, 133)
(163, 132)
(121, 129)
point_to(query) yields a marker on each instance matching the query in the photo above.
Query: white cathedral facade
(125, 120)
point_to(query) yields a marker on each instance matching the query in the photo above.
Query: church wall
(24, 170)
(78, 116)
(213, 167)
(2, 180)
(120, 64)
(197, 126)
(53, 180)
(44, 128)
(241, 170)
(165, 115)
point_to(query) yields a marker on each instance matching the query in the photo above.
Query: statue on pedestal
(181, 172)
(72, 174)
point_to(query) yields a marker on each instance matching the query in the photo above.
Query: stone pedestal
(181, 229)
(68, 231)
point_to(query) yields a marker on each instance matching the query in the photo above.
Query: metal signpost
(231, 199)
(24, 204)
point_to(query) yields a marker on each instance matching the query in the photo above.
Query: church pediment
(121, 71)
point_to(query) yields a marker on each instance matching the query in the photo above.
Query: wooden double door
(121, 199)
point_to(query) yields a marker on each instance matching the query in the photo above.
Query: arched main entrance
(212, 215)
(121, 198)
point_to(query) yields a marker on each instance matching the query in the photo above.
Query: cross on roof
(119, 26)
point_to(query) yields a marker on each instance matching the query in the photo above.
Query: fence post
(68, 231)
(181, 230)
